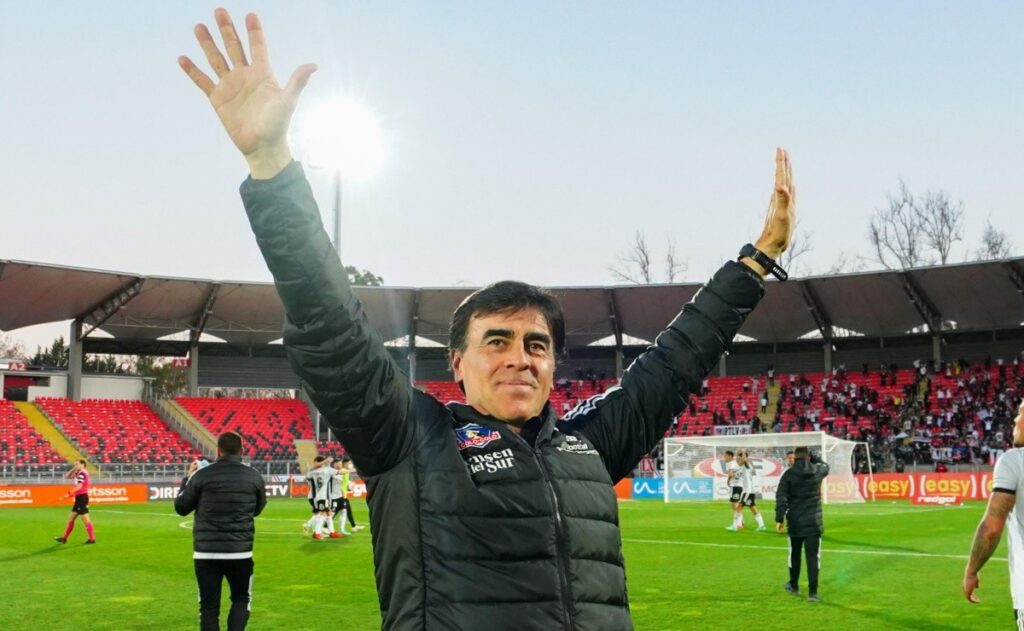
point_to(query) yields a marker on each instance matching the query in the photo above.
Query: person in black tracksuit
(798, 501)
(225, 496)
(495, 514)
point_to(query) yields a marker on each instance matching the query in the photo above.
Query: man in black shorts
(732, 480)
(81, 508)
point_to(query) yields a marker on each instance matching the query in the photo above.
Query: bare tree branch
(673, 266)
(635, 265)
(802, 243)
(11, 349)
(995, 244)
(895, 232)
(845, 264)
(941, 221)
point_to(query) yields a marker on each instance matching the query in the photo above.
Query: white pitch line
(823, 549)
(128, 512)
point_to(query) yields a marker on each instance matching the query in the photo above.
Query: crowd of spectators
(951, 412)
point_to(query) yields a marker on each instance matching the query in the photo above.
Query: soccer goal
(694, 465)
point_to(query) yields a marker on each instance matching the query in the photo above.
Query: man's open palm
(253, 108)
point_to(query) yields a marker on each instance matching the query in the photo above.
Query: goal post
(694, 465)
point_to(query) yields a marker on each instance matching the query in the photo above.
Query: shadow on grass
(873, 545)
(28, 555)
(888, 618)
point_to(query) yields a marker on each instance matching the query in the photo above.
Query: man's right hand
(253, 108)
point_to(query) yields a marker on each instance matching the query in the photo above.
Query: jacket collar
(536, 430)
(229, 458)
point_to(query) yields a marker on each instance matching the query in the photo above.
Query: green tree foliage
(364, 278)
(168, 380)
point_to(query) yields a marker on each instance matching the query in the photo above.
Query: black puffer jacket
(475, 526)
(226, 496)
(798, 498)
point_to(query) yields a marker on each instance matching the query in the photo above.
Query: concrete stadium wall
(112, 387)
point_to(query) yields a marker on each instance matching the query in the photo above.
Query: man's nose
(517, 357)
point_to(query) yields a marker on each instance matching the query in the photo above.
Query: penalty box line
(703, 544)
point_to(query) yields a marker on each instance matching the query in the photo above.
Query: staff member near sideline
(225, 496)
(798, 500)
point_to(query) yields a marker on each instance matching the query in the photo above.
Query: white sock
(737, 519)
(330, 523)
(341, 521)
(760, 520)
(318, 523)
(312, 521)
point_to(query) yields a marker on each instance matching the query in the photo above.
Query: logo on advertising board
(690, 488)
(162, 492)
(14, 497)
(938, 500)
(473, 435)
(648, 488)
(712, 467)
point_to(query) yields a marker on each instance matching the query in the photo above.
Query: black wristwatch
(764, 261)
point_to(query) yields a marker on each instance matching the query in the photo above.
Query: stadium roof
(133, 308)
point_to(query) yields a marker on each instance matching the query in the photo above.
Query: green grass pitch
(886, 565)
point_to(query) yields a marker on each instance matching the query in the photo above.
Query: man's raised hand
(253, 108)
(781, 220)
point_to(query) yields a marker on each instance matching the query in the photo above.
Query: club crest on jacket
(473, 435)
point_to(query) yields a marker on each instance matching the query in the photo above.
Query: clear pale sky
(530, 139)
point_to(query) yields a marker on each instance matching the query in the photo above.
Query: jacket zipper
(559, 535)
(560, 539)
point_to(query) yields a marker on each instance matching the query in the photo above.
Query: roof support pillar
(75, 360)
(616, 323)
(931, 316)
(193, 369)
(827, 349)
(722, 368)
(414, 320)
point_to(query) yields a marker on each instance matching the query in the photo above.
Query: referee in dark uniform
(225, 496)
(798, 501)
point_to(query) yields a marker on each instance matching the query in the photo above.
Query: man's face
(790, 459)
(508, 365)
(728, 457)
(1018, 427)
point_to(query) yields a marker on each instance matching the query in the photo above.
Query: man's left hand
(969, 585)
(781, 220)
(779, 527)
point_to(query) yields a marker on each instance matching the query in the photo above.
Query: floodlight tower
(343, 136)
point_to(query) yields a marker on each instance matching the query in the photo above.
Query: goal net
(695, 466)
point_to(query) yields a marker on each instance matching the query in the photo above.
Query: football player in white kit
(1007, 480)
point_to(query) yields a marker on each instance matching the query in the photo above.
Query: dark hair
(507, 296)
(801, 452)
(789, 453)
(229, 443)
(319, 459)
(82, 462)
(728, 452)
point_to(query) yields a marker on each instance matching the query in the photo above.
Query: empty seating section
(330, 448)
(20, 443)
(108, 430)
(268, 427)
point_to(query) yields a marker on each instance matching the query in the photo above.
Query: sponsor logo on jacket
(473, 435)
(574, 445)
(491, 462)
